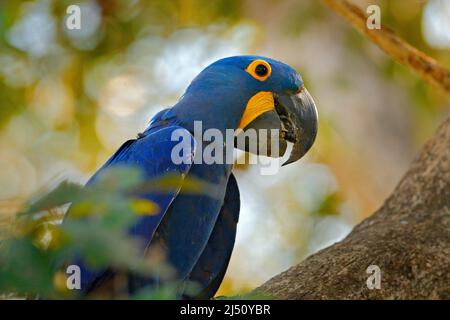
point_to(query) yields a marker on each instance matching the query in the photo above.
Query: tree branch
(428, 68)
(408, 238)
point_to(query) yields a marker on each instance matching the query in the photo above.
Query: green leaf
(64, 193)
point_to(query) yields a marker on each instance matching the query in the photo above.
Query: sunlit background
(69, 98)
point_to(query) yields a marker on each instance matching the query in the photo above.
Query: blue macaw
(197, 232)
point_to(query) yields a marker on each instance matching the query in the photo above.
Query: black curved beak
(298, 115)
(295, 118)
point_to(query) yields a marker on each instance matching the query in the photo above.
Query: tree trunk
(408, 238)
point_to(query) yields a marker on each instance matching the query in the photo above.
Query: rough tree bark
(408, 238)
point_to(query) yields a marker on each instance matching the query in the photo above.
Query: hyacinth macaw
(198, 232)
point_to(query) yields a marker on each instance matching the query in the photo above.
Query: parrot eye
(259, 69)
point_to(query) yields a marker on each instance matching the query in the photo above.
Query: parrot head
(252, 93)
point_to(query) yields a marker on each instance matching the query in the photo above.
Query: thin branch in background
(428, 68)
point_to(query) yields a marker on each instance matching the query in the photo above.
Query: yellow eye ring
(259, 69)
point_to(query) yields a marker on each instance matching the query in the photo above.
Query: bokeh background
(69, 98)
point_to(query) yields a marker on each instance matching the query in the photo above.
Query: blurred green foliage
(34, 248)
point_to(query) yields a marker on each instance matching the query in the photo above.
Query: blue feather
(152, 154)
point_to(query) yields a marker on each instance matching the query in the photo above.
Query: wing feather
(152, 154)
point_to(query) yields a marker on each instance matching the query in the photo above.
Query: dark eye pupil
(261, 70)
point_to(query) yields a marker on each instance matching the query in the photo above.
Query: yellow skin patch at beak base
(256, 106)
